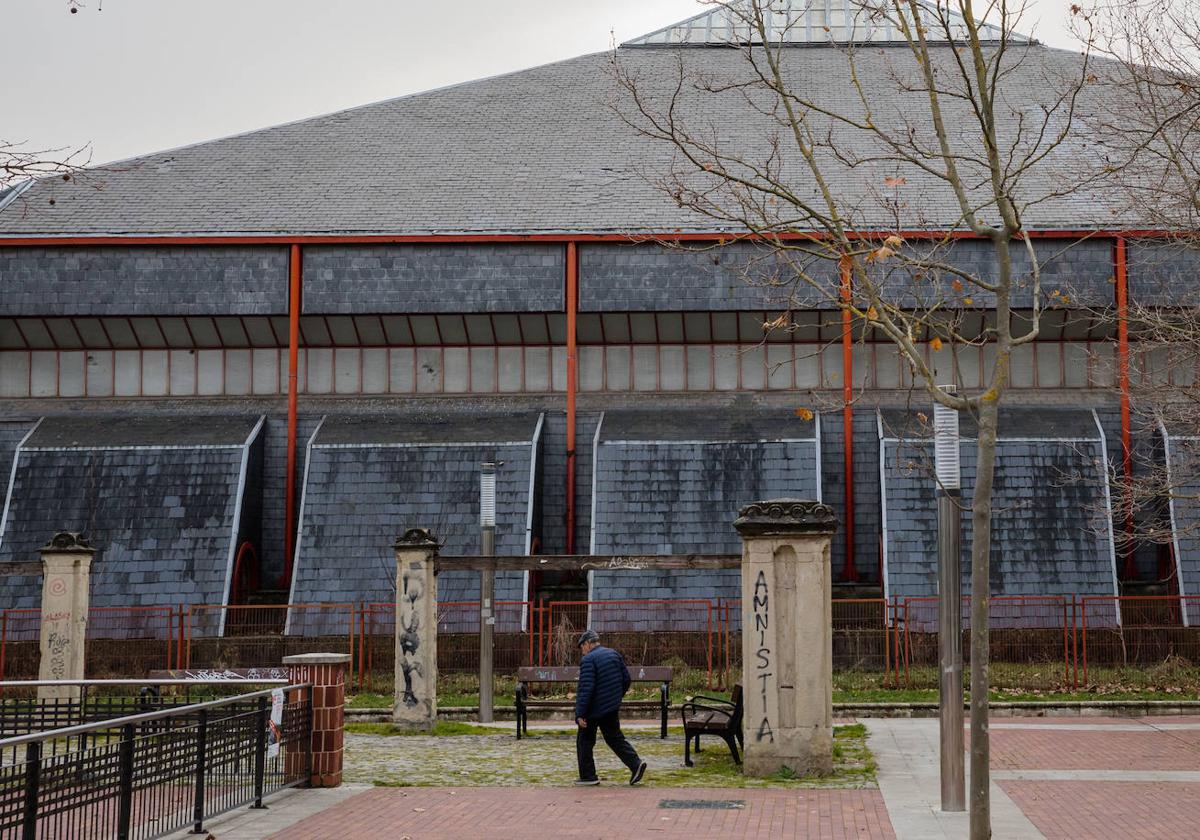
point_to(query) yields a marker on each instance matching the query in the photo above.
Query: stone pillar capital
(785, 518)
(417, 539)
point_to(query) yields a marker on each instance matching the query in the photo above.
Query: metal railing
(142, 776)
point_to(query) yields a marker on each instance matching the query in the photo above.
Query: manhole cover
(720, 804)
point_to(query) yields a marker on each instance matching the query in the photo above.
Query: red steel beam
(664, 236)
(572, 283)
(1122, 284)
(289, 526)
(849, 570)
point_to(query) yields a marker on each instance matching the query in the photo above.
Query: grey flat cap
(587, 636)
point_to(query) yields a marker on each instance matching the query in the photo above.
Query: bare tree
(1151, 143)
(853, 193)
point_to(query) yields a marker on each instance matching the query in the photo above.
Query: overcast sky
(139, 76)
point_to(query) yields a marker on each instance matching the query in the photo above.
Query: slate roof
(541, 151)
(158, 496)
(1047, 493)
(1015, 422)
(671, 482)
(368, 479)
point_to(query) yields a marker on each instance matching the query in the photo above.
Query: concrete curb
(1079, 708)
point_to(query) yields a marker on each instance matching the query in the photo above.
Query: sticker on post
(275, 725)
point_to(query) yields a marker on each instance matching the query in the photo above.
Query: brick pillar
(66, 580)
(787, 637)
(415, 703)
(327, 673)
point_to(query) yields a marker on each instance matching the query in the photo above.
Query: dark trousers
(610, 728)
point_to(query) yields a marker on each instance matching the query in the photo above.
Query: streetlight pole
(946, 461)
(487, 587)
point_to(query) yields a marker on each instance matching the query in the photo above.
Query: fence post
(125, 797)
(785, 575)
(33, 780)
(326, 672)
(260, 752)
(3, 644)
(66, 564)
(1083, 633)
(201, 769)
(708, 649)
(415, 699)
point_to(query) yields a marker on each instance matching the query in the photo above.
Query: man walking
(603, 681)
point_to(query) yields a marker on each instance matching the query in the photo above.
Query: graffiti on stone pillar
(56, 649)
(409, 632)
(762, 620)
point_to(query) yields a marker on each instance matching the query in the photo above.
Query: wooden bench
(714, 716)
(570, 674)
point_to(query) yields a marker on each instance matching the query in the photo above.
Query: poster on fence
(275, 725)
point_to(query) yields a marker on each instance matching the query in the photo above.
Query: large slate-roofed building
(310, 337)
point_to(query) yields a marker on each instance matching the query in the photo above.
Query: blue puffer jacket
(603, 681)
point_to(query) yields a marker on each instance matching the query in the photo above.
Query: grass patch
(441, 729)
(547, 759)
(1174, 679)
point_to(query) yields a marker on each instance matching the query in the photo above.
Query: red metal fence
(1036, 641)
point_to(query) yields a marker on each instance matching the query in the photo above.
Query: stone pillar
(66, 578)
(787, 637)
(415, 705)
(327, 673)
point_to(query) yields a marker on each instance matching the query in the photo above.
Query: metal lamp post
(487, 587)
(947, 468)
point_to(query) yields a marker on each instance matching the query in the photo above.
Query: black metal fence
(144, 775)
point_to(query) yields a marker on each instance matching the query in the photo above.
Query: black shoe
(637, 774)
(586, 782)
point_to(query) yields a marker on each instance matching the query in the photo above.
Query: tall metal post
(953, 776)
(487, 588)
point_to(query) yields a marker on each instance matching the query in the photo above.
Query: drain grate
(713, 804)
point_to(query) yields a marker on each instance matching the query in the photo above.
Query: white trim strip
(1112, 543)
(237, 517)
(883, 500)
(1171, 510)
(439, 445)
(16, 192)
(632, 442)
(533, 450)
(533, 465)
(138, 448)
(592, 541)
(287, 624)
(595, 473)
(12, 478)
(923, 440)
(817, 440)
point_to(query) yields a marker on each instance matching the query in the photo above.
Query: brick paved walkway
(1090, 810)
(1074, 750)
(1060, 779)
(1111, 778)
(605, 813)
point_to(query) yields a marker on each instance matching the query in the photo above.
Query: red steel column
(850, 570)
(572, 386)
(289, 527)
(1122, 283)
